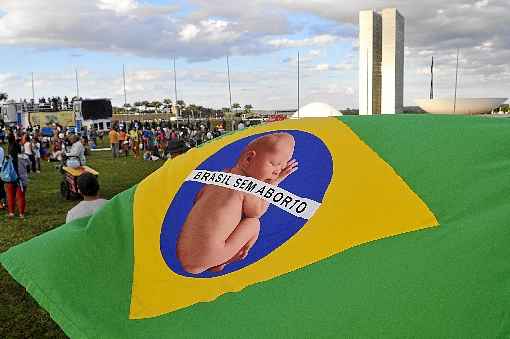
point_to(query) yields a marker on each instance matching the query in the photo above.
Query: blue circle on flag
(277, 226)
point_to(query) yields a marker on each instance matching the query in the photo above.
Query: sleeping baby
(223, 224)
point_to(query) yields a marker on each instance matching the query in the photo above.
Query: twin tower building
(381, 62)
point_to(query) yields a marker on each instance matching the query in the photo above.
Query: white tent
(315, 110)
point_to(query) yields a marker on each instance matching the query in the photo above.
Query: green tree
(3, 96)
(167, 101)
(248, 108)
(156, 104)
(180, 106)
(236, 106)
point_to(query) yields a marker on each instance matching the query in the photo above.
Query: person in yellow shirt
(135, 141)
(114, 142)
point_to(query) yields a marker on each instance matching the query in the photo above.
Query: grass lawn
(20, 315)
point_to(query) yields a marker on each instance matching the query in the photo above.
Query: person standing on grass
(88, 186)
(27, 150)
(114, 142)
(36, 148)
(135, 141)
(16, 190)
(122, 142)
(93, 138)
(2, 191)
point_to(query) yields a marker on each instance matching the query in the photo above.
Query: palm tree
(3, 96)
(236, 106)
(180, 105)
(156, 104)
(248, 108)
(193, 110)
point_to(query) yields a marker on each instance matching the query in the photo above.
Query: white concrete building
(392, 66)
(370, 30)
(381, 62)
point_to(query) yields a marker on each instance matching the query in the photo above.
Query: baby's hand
(292, 166)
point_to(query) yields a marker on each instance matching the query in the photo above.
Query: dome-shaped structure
(462, 106)
(315, 110)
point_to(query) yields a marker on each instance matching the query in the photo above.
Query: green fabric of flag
(451, 281)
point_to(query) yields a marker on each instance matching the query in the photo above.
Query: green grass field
(20, 315)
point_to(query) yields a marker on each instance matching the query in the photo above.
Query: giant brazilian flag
(393, 226)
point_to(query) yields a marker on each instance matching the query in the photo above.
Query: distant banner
(291, 203)
(65, 118)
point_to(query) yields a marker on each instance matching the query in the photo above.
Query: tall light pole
(33, 100)
(77, 84)
(229, 88)
(33, 90)
(175, 90)
(298, 86)
(456, 79)
(124, 81)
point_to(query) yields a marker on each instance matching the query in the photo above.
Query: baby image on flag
(224, 224)
(226, 218)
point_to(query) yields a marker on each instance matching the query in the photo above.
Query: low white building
(315, 110)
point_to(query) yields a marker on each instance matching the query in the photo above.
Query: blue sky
(261, 37)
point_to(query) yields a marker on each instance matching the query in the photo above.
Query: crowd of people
(158, 140)
(26, 148)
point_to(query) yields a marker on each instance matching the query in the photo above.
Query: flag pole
(432, 79)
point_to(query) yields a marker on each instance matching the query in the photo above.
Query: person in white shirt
(27, 149)
(36, 148)
(88, 187)
(77, 150)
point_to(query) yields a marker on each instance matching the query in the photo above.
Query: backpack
(8, 173)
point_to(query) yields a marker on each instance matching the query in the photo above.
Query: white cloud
(322, 67)
(219, 31)
(482, 3)
(328, 67)
(319, 40)
(189, 32)
(119, 6)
